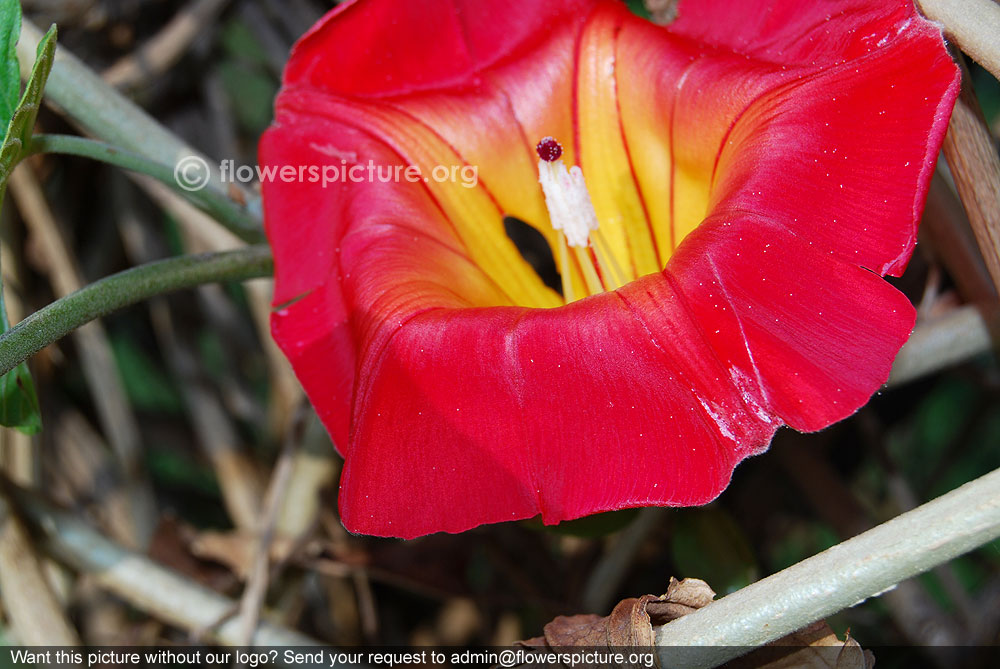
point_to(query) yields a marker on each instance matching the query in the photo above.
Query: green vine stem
(58, 319)
(835, 579)
(103, 112)
(824, 584)
(218, 206)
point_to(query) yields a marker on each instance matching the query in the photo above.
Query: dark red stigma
(549, 149)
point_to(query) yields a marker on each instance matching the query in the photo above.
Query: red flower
(755, 169)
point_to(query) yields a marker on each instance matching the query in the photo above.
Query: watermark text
(193, 173)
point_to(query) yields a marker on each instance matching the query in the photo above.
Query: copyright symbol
(508, 658)
(191, 173)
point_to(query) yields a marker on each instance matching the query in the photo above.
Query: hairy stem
(836, 579)
(125, 288)
(218, 206)
(101, 111)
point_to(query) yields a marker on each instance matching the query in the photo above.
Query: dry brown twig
(216, 436)
(946, 230)
(975, 168)
(113, 408)
(84, 473)
(201, 234)
(157, 55)
(33, 609)
(256, 588)
(143, 583)
(274, 48)
(961, 334)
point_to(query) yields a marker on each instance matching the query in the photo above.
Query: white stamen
(568, 201)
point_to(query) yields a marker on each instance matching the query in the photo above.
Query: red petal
(849, 194)
(326, 236)
(808, 346)
(482, 415)
(453, 403)
(383, 48)
(795, 33)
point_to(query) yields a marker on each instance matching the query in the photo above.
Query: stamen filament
(606, 260)
(565, 273)
(571, 212)
(594, 285)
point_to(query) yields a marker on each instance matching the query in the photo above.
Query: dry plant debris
(631, 624)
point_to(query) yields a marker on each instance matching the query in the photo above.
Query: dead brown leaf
(681, 598)
(630, 623)
(235, 549)
(812, 647)
(172, 546)
(632, 620)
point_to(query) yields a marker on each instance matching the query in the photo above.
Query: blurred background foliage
(200, 389)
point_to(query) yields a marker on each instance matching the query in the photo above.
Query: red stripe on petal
(805, 137)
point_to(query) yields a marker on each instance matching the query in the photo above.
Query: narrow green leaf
(18, 400)
(22, 123)
(10, 74)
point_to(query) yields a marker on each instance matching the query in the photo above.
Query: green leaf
(10, 74)
(240, 44)
(252, 94)
(638, 7)
(22, 123)
(18, 400)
